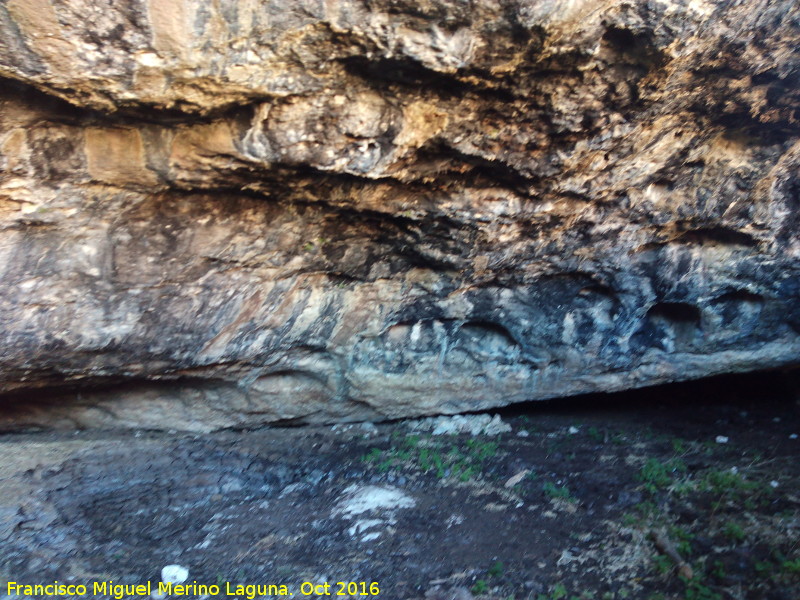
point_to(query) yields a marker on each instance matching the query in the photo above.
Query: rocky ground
(690, 491)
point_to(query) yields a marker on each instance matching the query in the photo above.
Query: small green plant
(763, 567)
(696, 589)
(595, 435)
(372, 456)
(308, 247)
(618, 439)
(630, 520)
(684, 537)
(679, 446)
(791, 566)
(782, 566)
(656, 475)
(719, 570)
(482, 450)
(557, 491)
(496, 570)
(431, 455)
(559, 592)
(730, 486)
(734, 532)
(662, 564)
(480, 587)
(723, 482)
(646, 509)
(683, 487)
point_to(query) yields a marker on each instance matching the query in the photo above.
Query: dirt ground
(688, 491)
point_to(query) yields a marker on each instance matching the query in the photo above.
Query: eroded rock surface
(251, 212)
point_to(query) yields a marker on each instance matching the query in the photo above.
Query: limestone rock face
(241, 212)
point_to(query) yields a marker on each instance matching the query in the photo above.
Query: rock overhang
(255, 214)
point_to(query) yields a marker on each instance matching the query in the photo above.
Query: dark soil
(614, 485)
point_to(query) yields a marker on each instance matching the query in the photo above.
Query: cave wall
(242, 212)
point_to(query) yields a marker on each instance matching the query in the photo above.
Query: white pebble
(369, 428)
(773, 483)
(573, 430)
(734, 470)
(174, 574)
(792, 436)
(722, 439)
(522, 433)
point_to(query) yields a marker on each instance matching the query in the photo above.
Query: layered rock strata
(243, 212)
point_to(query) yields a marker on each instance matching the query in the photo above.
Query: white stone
(368, 428)
(482, 424)
(359, 500)
(149, 59)
(512, 481)
(174, 574)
